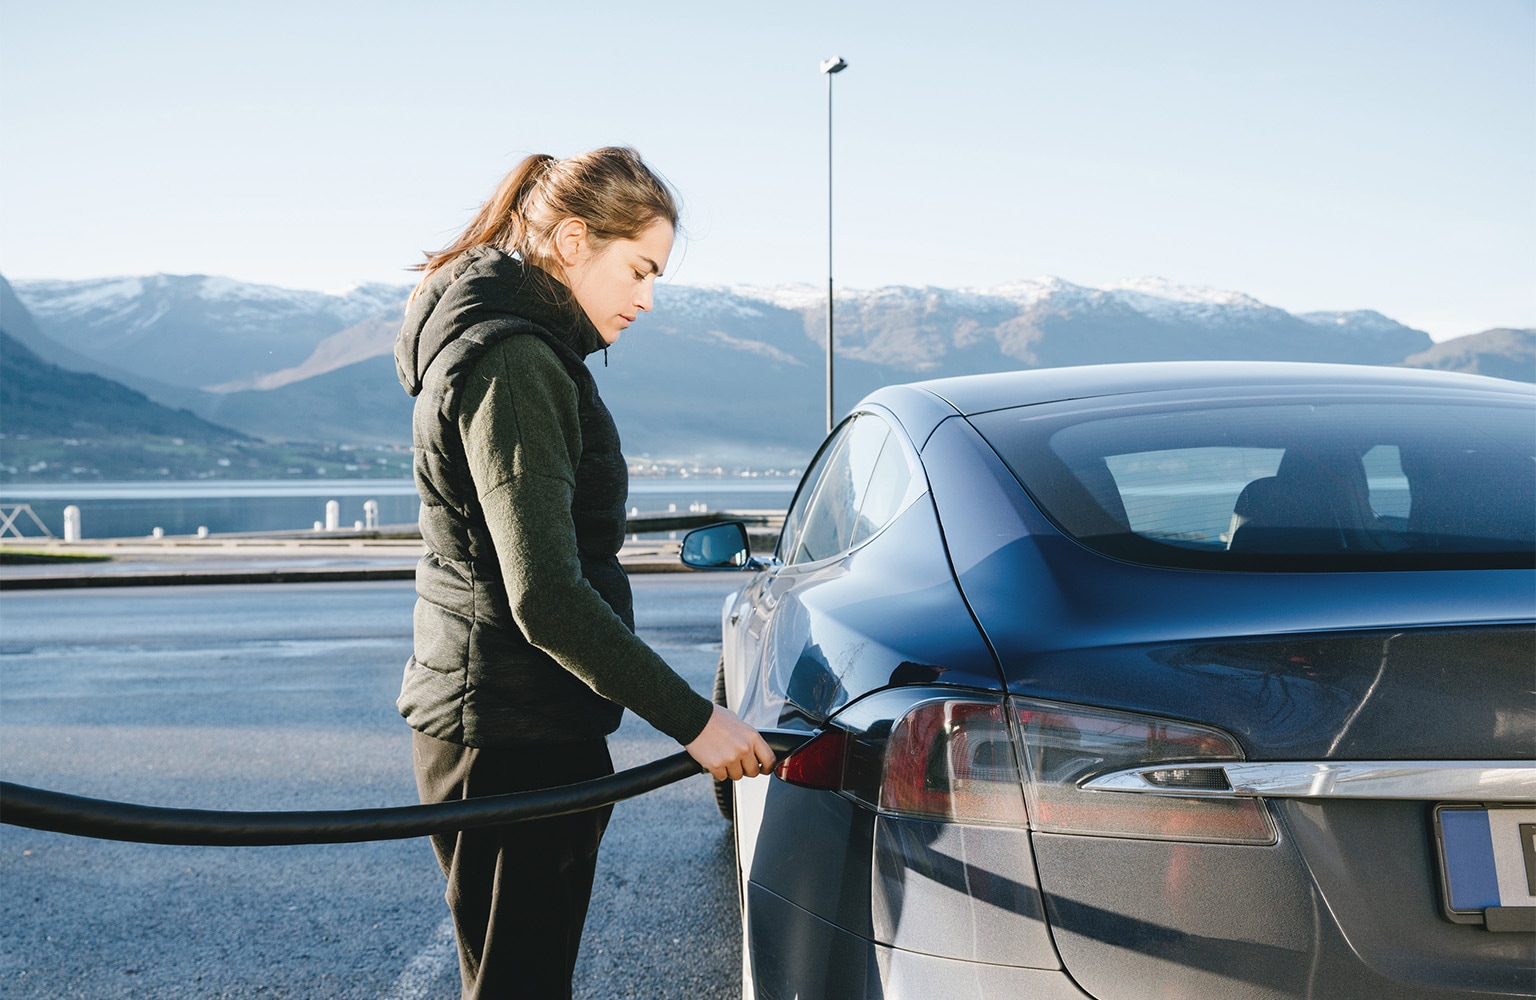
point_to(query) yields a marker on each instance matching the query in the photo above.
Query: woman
(524, 628)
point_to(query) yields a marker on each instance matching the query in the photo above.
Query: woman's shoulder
(524, 351)
(521, 373)
(525, 366)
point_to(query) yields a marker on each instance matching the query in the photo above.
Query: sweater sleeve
(522, 437)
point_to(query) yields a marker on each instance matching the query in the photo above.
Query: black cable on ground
(39, 809)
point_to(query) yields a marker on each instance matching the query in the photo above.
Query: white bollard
(157, 533)
(202, 531)
(71, 523)
(357, 526)
(671, 508)
(332, 515)
(370, 515)
(319, 526)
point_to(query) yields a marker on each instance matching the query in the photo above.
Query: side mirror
(718, 546)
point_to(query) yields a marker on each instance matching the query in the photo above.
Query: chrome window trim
(1441, 781)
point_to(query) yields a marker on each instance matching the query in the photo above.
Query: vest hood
(486, 285)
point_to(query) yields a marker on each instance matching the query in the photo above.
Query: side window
(888, 487)
(860, 487)
(795, 517)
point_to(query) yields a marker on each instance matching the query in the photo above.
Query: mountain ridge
(196, 330)
(1503, 352)
(38, 398)
(107, 318)
(720, 372)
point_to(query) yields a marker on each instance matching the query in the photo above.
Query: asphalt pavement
(281, 697)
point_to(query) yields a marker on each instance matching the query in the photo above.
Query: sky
(1349, 154)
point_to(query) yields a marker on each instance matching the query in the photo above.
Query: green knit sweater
(523, 492)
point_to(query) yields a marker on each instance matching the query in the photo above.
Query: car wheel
(723, 795)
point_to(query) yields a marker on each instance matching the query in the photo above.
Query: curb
(175, 578)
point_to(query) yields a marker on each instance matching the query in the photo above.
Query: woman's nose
(643, 298)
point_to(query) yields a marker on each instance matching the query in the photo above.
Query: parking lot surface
(282, 697)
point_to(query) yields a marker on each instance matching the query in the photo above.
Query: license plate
(1488, 865)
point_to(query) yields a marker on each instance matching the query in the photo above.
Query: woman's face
(613, 285)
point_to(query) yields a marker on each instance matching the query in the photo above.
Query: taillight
(946, 759)
(975, 760)
(953, 760)
(817, 763)
(1066, 745)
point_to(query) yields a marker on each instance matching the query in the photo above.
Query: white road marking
(423, 975)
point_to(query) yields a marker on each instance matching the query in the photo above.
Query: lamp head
(834, 65)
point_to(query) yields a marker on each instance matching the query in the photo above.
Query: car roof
(970, 394)
(921, 406)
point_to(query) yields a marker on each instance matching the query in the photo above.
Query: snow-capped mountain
(103, 300)
(711, 371)
(742, 363)
(196, 330)
(1046, 322)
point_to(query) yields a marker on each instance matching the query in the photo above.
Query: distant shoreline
(311, 487)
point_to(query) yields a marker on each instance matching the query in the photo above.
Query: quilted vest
(473, 678)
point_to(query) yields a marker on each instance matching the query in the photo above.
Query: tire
(724, 796)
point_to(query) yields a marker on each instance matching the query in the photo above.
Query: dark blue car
(1163, 680)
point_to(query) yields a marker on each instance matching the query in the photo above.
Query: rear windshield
(1421, 482)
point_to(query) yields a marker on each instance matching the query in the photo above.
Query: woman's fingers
(763, 755)
(729, 749)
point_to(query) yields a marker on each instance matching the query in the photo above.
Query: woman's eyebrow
(655, 268)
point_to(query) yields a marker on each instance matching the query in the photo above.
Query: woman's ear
(570, 241)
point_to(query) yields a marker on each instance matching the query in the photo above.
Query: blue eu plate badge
(1488, 865)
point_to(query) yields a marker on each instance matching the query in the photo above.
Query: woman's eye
(639, 276)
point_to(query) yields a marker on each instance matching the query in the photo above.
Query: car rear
(1268, 721)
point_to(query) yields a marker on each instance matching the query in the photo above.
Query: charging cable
(40, 809)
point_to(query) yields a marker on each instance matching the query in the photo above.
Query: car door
(748, 618)
(774, 678)
(786, 684)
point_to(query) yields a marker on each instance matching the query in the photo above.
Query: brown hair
(610, 189)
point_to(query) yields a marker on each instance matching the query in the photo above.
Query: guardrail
(10, 513)
(394, 542)
(636, 524)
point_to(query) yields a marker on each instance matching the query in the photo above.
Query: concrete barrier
(392, 542)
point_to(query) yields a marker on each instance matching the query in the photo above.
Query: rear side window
(888, 488)
(858, 485)
(1414, 482)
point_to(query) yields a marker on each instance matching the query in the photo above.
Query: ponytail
(610, 189)
(499, 222)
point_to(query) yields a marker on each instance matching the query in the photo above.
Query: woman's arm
(521, 435)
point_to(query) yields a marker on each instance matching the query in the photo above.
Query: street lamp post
(830, 67)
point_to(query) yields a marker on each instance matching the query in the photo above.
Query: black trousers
(518, 893)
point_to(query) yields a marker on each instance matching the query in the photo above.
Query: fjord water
(127, 510)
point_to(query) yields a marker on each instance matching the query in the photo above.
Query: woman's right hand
(730, 749)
